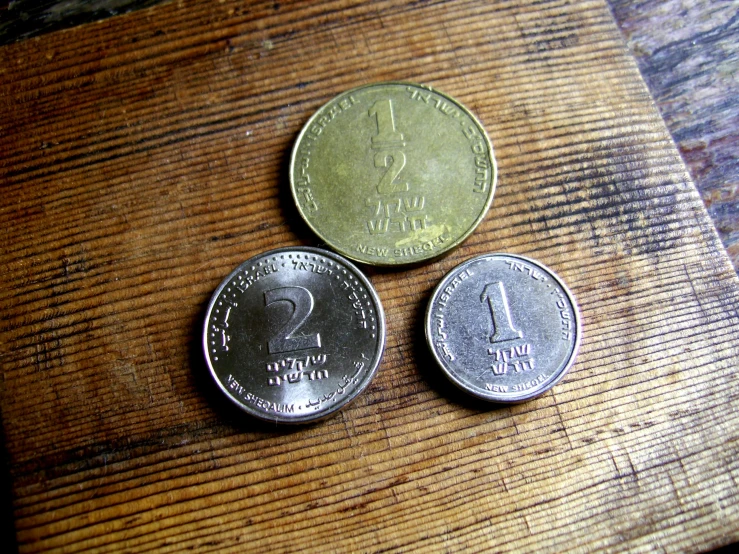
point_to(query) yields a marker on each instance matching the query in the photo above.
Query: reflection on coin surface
(503, 328)
(393, 173)
(294, 334)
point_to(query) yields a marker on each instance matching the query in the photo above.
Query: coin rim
(488, 395)
(369, 376)
(433, 254)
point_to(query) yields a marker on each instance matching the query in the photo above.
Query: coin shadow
(432, 374)
(226, 411)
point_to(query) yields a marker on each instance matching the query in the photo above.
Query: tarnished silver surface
(294, 334)
(503, 328)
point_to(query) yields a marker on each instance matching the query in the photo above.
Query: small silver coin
(293, 335)
(503, 328)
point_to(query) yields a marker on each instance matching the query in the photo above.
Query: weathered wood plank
(144, 157)
(21, 19)
(688, 53)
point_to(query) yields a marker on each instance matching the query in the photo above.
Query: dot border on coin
(355, 384)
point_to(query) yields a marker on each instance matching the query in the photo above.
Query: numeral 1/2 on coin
(389, 140)
(503, 329)
(302, 302)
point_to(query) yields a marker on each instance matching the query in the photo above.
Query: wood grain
(144, 157)
(686, 50)
(688, 54)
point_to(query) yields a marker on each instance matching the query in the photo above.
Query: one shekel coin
(294, 334)
(503, 328)
(393, 173)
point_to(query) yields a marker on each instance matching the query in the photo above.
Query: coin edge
(454, 244)
(369, 377)
(537, 391)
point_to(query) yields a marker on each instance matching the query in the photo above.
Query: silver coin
(293, 335)
(503, 328)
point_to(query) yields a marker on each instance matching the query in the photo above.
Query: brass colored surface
(393, 173)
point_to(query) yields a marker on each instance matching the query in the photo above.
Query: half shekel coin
(395, 173)
(293, 335)
(503, 328)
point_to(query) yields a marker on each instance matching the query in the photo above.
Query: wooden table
(688, 54)
(144, 157)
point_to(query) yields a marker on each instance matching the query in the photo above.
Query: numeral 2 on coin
(302, 302)
(503, 329)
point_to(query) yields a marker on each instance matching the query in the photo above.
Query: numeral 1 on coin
(386, 135)
(503, 329)
(302, 302)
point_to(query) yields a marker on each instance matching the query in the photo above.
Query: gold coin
(393, 173)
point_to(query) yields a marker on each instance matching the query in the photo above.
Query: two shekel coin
(294, 334)
(388, 174)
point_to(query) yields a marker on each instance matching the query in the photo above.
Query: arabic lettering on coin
(294, 334)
